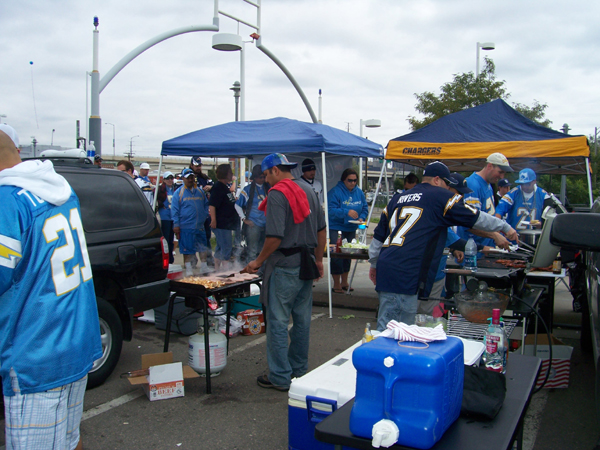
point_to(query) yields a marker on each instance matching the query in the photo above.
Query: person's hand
(501, 241)
(373, 275)
(458, 255)
(253, 267)
(207, 188)
(353, 214)
(176, 231)
(213, 224)
(513, 235)
(321, 270)
(248, 222)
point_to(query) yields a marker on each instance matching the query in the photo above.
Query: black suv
(129, 256)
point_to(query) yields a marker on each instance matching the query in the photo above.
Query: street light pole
(483, 46)
(370, 123)
(52, 139)
(107, 123)
(130, 154)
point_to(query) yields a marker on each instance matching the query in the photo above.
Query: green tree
(467, 91)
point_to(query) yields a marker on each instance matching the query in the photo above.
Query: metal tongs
(525, 248)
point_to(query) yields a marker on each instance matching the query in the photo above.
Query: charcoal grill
(196, 297)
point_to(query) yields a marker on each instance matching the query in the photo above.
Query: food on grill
(512, 263)
(208, 283)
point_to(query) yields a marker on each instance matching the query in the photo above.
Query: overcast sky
(369, 58)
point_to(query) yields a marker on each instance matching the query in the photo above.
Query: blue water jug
(417, 386)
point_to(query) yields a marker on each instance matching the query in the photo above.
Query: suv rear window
(120, 206)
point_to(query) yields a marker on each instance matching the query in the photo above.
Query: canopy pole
(589, 180)
(155, 199)
(324, 172)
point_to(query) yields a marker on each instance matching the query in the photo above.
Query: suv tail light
(165, 253)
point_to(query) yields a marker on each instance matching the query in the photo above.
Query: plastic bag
(235, 326)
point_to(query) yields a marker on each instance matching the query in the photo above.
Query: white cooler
(315, 396)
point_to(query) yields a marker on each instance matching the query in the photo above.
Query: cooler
(315, 396)
(418, 386)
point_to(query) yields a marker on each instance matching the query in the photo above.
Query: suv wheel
(111, 335)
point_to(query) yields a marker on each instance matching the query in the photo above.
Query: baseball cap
(145, 166)
(526, 176)
(256, 172)
(186, 173)
(196, 161)
(461, 185)
(168, 174)
(11, 133)
(503, 183)
(308, 165)
(98, 158)
(439, 169)
(276, 159)
(498, 159)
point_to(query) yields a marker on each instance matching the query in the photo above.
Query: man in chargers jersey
(408, 242)
(50, 332)
(524, 203)
(482, 198)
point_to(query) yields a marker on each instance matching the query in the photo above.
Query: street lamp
(52, 139)
(33, 145)
(131, 146)
(236, 95)
(483, 46)
(369, 123)
(228, 42)
(106, 123)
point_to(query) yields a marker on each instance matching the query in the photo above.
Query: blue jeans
(255, 239)
(340, 266)
(398, 307)
(288, 295)
(224, 244)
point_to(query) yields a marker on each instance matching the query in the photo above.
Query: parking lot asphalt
(241, 415)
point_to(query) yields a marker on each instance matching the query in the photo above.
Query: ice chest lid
(333, 380)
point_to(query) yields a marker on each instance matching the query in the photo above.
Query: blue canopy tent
(297, 140)
(464, 139)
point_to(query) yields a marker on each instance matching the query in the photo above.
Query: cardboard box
(165, 378)
(561, 360)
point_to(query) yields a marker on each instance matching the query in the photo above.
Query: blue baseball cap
(276, 159)
(526, 176)
(503, 183)
(187, 172)
(196, 161)
(461, 183)
(439, 169)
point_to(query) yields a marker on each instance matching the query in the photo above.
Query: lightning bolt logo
(10, 252)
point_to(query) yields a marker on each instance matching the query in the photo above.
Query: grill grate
(459, 326)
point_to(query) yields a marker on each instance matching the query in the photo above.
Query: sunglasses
(351, 180)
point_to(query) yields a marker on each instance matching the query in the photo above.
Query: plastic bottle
(471, 255)
(368, 336)
(496, 345)
(338, 244)
(91, 150)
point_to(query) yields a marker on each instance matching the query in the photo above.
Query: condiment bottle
(367, 337)
(338, 244)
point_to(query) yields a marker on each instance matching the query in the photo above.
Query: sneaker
(263, 382)
(204, 268)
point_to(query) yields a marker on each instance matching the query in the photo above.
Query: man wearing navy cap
(205, 183)
(524, 204)
(408, 241)
(295, 227)
(309, 171)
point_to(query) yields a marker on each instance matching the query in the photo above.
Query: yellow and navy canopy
(464, 140)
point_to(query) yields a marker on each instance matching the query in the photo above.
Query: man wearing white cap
(524, 204)
(144, 182)
(482, 198)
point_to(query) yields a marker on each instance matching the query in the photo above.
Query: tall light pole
(107, 123)
(483, 46)
(236, 95)
(130, 154)
(370, 123)
(52, 139)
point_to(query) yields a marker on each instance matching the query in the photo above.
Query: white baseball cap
(168, 174)
(145, 166)
(11, 133)
(498, 159)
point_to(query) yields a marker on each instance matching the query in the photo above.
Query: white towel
(403, 332)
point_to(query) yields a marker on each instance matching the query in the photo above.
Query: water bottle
(91, 150)
(471, 255)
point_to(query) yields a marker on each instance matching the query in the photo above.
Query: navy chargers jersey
(413, 229)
